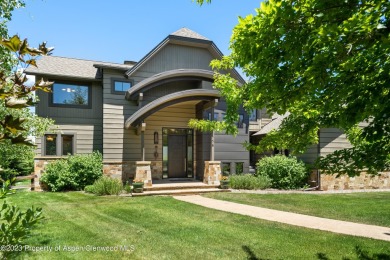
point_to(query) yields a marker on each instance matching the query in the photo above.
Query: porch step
(180, 186)
(186, 191)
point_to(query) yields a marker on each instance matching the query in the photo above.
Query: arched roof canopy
(168, 100)
(166, 77)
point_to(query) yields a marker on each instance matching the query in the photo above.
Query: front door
(177, 150)
(177, 153)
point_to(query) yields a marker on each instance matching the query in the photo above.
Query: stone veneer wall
(126, 170)
(363, 181)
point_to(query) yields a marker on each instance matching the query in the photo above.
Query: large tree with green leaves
(328, 64)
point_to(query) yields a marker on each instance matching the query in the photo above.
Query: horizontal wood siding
(174, 56)
(86, 123)
(332, 139)
(88, 137)
(230, 148)
(310, 155)
(116, 109)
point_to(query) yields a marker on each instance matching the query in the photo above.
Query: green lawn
(164, 228)
(368, 208)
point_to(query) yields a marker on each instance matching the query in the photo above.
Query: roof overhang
(166, 77)
(168, 100)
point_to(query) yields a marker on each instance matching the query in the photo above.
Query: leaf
(12, 44)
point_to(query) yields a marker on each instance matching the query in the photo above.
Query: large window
(58, 144)
(72, 95)
(120, 86)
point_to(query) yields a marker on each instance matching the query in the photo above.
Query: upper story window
(120, 86)
(71, 95)
(253, 115)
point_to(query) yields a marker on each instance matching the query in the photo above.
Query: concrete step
(179, 192)
(179, 186)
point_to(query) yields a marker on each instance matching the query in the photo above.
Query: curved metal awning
(166, 77)
(168, 100)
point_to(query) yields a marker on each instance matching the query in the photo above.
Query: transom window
(72, 95)
(121, 86)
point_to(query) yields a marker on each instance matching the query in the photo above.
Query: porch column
(212, 141)
(143, 170)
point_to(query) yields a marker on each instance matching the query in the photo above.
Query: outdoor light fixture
(155, 137)
(49, 138)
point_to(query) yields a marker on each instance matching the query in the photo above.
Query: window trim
(88, 106)
(59, 144)
(113, 80)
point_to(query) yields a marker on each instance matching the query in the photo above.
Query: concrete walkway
(336, 226)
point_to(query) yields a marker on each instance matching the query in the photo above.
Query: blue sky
(119, 30)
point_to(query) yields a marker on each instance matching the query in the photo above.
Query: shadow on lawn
(251, 255)
(360, 254)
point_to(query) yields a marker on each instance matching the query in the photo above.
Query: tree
(327, 63)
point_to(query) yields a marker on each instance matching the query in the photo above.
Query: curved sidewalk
(335, 226)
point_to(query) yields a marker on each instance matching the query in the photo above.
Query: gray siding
(86, 123)
(174, 56)
(230, 148)
(331, 139)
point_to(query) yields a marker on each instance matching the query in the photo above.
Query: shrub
(105, 186)
(249, 182)
(73, 173)
(86, 168)
(284, 172)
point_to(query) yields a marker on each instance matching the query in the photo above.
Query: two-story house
(139, 111)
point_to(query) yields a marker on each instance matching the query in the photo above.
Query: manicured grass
(368, 208)
(164, 228)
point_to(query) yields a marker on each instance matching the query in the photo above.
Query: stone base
(144, 172)
(212, 172)
(363, 181)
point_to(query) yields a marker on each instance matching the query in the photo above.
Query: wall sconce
(155, 137)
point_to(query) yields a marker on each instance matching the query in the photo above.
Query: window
(70, 95)
(253, 115)
(240, 123)
(58, 144)
(119, 85)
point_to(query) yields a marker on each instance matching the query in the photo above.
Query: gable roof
(184, 36)
(185, 32)
(273, 125)
(71, 67)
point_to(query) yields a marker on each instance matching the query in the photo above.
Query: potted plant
(225, 182)
(138, 186)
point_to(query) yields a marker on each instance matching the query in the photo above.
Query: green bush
(15, 160)
(73, 173)
(105, 186)
(284, 172)
(249, 182)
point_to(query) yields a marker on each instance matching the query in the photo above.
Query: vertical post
(212, 138)
(143, 145)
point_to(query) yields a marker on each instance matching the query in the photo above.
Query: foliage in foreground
(73, 173)
(249, 182)
(105, 186)
(284, 172)
(323, 62)
(15, 225)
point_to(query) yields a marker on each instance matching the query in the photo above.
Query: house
(136, 114)
(139, 111)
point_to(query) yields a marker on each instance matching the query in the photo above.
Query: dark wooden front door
(177, 150)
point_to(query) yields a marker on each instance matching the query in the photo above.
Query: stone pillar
(39, 166)
(212, 172)
(144, 172)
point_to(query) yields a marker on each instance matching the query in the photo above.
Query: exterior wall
(174, 56)
(86, 123)
(331, 139)
(363, 181)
